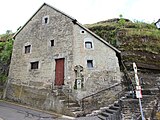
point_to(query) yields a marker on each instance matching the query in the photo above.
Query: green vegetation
(131, 38)
(5, 56)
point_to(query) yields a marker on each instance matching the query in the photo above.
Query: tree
(5, 56)
(122, 21)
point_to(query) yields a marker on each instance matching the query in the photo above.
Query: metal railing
(101, 98)
(106, 96)
(128, 76)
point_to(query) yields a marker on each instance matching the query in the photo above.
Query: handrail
(125, 70)
(108, 88)
(101, 90)
(82, 100)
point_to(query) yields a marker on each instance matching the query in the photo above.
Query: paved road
(10, 111)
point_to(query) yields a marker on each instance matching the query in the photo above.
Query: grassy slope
(139, 42)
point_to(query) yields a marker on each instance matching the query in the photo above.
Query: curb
(31, 108)
(44, 111)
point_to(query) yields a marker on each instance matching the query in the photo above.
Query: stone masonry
(69, 38)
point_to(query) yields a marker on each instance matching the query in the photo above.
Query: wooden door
(59, 72)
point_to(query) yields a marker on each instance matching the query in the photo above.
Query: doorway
(59, 72)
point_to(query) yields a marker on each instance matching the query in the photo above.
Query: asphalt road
(12, 111)
(9, 111)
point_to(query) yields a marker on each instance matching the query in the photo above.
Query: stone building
(53, 51)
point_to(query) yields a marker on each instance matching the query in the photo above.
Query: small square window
(27, 49)
(90, 63)
(34, 65)
(88, 45)
(52, 42)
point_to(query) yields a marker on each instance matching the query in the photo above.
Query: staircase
(127, 108)
(130, 106)
(112, 112)
(72, 107)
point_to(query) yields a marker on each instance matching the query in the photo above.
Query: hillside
(138, 41)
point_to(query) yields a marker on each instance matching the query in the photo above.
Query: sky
(15, 13)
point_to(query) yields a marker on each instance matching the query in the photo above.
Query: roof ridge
(59, 11)
(74, 21)
(98, 37)
(37, 12)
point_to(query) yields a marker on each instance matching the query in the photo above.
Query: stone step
(106, 114)
(78, 113)
(74, 109)
(103, 109)
(102, 117)
(114, 108)
(116, 105)
(70, 101)
(94, 113)
(62, 97)
(110, 111)
(73, 104)
(61, 101)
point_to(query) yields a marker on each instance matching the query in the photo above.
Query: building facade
(52, 49)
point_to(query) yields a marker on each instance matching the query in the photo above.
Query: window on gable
(82, 32)
(52, 43)
(34, 65)
(90, 63)
(45, 19)
(27, 49)
(88, 45)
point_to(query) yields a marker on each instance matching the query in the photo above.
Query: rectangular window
(34, 65)
(90, 63)
(27, 49)
(88, 45)
(52, 42)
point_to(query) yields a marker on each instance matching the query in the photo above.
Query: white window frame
(91, 67)
(51, 43)
(31, 63)
(27, 44)
(88, 40)
(34, 60)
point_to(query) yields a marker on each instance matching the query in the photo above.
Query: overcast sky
(15, 13)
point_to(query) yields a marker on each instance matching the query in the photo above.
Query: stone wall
(69, 43)
(36, 97)
(59, 29)
(105, 71)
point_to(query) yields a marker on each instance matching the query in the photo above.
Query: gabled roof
(96, 36)
(74, 21)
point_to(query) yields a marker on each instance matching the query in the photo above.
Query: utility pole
(138, 90)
